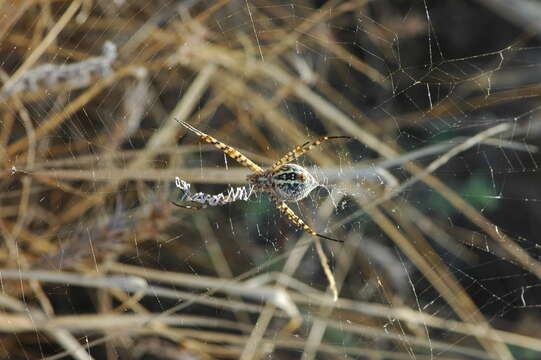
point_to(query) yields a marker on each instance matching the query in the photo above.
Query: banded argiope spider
(282, 181)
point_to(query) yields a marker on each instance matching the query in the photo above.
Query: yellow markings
(228, 150)
(301, 149)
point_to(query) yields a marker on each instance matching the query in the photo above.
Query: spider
(282, 181)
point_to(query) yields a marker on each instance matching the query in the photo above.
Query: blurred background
(436, 197)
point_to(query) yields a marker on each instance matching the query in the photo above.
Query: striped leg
(301, 149)
(297, 221)
(190, 205)
(234, 154)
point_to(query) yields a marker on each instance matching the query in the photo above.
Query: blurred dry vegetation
(96, 262)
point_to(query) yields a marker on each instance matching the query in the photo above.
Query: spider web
(436, 196)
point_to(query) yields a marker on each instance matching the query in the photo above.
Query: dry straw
(74, 76)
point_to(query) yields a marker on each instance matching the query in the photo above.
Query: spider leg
(301, 149)
(297, 221)
(234, 154)
(190, 205)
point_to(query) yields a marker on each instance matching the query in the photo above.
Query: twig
(326, 269)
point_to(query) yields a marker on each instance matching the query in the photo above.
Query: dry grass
(96, 263)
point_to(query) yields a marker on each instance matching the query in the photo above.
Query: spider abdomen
(291, 182)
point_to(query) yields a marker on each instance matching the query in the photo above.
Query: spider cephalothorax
(282, 181)
(289, 182)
